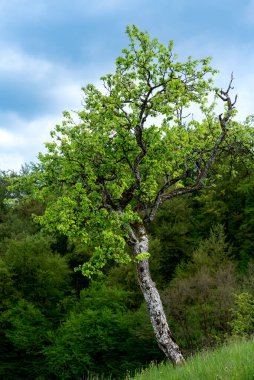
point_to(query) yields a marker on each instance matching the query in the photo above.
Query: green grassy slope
(234, 361)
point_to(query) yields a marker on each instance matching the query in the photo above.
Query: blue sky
(49, 49)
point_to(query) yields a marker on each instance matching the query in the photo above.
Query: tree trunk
(153, 301)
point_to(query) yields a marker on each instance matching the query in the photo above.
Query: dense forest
(57, 325)
(76, 289)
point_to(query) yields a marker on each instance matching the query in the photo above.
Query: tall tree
(133, 148)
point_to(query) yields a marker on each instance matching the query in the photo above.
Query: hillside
(230, 362)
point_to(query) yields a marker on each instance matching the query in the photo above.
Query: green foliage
(211, 253)
(199, 297)
(242, 322)
(26, 327)
(39, 275)
(173, 235)
(230, 203)
(7, 289)
(24, 332)
(34, 286)
(142, 256)
(101, 337)
(246, 278)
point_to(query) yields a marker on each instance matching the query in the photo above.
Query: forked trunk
(154, 304)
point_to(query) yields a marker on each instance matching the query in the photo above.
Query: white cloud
(66, 96)
(11, 161)
(9, 140)
(14, 61)
(27, 141)
(21, 136)
(58, 84)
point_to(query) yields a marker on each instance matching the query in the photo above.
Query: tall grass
(234, 361)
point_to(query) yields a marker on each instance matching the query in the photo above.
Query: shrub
(242, 322)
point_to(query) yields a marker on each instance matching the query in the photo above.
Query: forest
(74, 227)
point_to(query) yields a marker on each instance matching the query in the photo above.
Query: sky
(49, 49)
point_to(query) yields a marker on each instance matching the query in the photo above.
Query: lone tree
(133, 148)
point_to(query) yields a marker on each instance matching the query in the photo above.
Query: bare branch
(159, 197)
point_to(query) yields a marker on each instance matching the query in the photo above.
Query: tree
(133, 148)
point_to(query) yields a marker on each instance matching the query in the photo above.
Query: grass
(234, 361)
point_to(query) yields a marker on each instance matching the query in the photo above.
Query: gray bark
(153, 301)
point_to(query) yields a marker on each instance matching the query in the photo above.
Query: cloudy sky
(49, 49)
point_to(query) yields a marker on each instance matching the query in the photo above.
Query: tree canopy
(133, 147)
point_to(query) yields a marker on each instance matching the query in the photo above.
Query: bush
(199, 298)
(25, 332)
(102, 337)
(242, 322)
